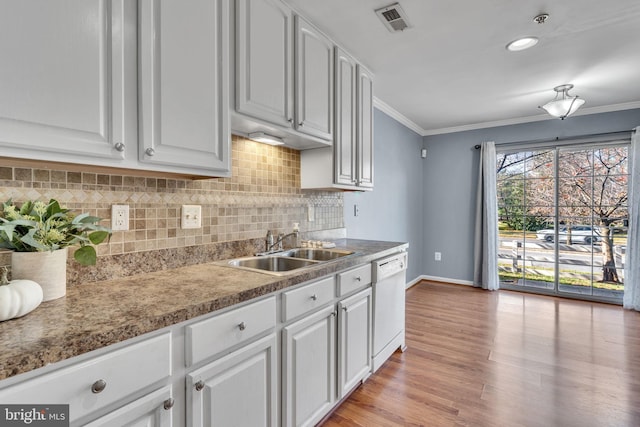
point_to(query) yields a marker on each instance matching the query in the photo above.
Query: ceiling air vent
(393, 17)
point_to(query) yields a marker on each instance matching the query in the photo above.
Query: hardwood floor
(479, 358)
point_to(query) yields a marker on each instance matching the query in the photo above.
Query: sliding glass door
(562, 220)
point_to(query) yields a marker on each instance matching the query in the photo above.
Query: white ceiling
(451, 70)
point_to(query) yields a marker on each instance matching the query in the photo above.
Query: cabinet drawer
(307, 298)
(354, 279)
(123, 373)
(216, 334)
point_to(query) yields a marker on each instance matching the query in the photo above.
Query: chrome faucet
(270, 242)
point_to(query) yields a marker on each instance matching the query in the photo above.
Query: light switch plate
(191, 216)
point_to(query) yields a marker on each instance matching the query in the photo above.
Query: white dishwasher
(389, 282)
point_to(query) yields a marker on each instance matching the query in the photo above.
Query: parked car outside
(579, 234)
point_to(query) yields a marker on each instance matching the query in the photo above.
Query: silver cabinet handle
(242, 326)
(168, 404)
(98, 386)
(150, 152)
(314, 297)
(199, 385)
(119, 147)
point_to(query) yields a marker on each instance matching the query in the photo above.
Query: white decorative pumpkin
(18, 297)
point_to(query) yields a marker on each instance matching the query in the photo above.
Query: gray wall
(393, 210)
(450, 182)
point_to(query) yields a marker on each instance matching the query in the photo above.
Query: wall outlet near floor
(119, 217)
(191, 216)
(438, 256)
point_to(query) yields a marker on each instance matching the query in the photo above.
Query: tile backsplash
(262, 194)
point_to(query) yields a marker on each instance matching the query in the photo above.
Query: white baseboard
(439, 279)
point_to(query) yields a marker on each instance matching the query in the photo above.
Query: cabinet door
(354, 341)
(264, 65)
(184, 78)
(365, 128)
(238, 390)
(309, 368)
(345, 122)
(67, 80)
(314, 81)
(152, 410)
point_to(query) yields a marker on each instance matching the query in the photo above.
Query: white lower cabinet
(354, 341)
(96, 385)
(309, 368)
(152, 410)
(269, 362)
(238, 390)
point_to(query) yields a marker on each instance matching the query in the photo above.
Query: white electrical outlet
(311, 213)
(438, 256)
(191, 216)
(119, 217)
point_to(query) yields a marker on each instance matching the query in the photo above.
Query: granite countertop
(97, 314)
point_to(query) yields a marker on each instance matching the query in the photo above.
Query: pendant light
(563, 105)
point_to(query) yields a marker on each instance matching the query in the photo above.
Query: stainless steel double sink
(283, 262)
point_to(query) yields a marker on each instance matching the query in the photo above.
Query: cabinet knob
(242, 326)
(98, 386)
(314, 297)
(119, 147)
(345, 308)
(358, 279)
(150, 152)
(168, 404)
(300, 124)
(199, 385)
(290, 120)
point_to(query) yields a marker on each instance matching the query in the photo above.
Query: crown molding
(529, 119)
(399, 117)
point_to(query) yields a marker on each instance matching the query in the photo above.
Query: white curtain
(631, 297)
(485, 274)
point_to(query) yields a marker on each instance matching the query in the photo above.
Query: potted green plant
(40, 233)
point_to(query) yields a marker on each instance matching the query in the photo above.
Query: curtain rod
(557, 138)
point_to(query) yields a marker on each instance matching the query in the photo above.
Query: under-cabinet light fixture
(265, 138)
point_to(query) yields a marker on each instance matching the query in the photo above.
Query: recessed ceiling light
(522, 43)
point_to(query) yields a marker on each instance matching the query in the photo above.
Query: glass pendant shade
(563, 105)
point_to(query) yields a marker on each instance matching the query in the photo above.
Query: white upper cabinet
(264, 60)
(314, 81)
(348, 165)
(345, 148)
(67, 80)
(282, 75)
(184, 94)
(365, 128)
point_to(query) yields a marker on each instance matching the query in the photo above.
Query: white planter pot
(48, 269)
